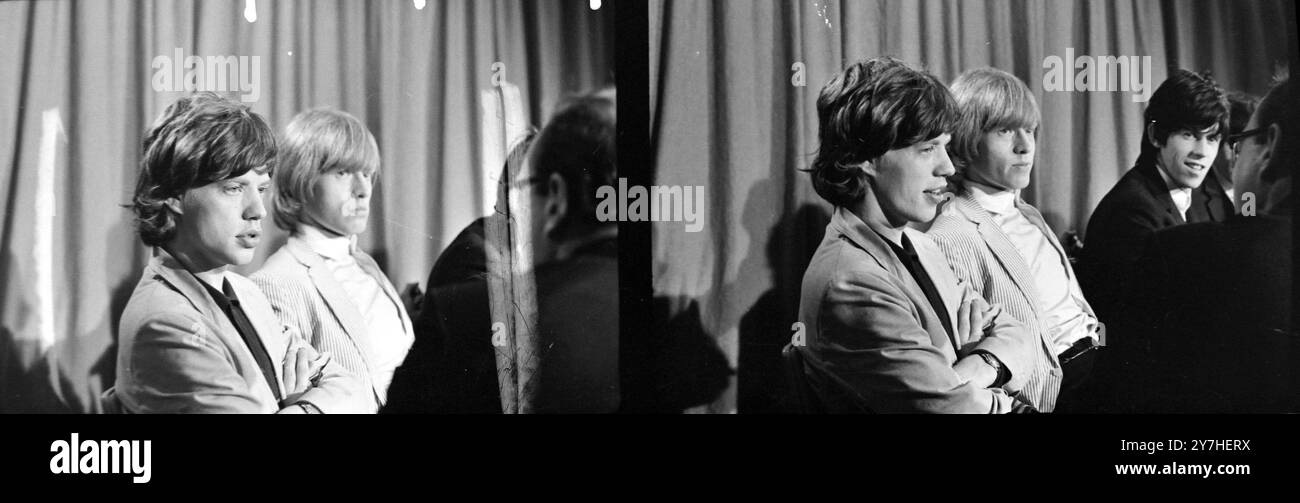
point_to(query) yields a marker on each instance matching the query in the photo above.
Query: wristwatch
(996, 364)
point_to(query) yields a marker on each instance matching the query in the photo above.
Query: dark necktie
(229, 303)
(913, 264)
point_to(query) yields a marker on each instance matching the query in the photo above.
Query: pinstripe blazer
(178, 351)
(874, 342)
(304, 293)
(982, 255)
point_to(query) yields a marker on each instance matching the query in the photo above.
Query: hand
(975, 370)
(301, 367)
(970, 320)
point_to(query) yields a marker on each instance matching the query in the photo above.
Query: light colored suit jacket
(178, 351)
(304, 294)
(983, 256)
(875, 344)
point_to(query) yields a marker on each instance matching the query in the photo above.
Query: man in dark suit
(451, 368)
(1229, 348)
(577, 255)
(571, 364)
(1186, 118)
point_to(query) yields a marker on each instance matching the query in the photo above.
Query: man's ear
(174, 204)
(1151, 135)
(869, 168)
(557, 203)
(1271, 138)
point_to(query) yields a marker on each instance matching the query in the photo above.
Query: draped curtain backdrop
(76, 96)
(729, 116)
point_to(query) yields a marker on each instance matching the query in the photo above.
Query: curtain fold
(76, 95)
(729, 117)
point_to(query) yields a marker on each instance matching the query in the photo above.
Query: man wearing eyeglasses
(1240, 107)
(1230, 348)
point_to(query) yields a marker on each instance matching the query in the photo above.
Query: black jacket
(1137, 207)
(1208, 320)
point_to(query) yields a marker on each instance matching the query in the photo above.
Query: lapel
(1006, 253)
(343, 308)
(856, 231)
(170, 270)
(264, 321)
(1155, 185)
(936, 265)
(1210, 200)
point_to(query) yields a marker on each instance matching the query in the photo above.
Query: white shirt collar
(326, 245)
(1182, 196)
(996, 201)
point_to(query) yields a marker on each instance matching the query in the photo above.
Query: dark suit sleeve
(1126, 236)
(872, 342)
(1117, 235)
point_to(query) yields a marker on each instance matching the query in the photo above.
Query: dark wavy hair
(870, 108)
(1186, 101)
(200, 139)
(580, 144)
(1240, 107)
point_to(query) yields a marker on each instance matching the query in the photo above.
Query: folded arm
(871, 341)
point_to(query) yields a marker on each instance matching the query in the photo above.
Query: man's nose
(1024, 142)
(1204, 147)
(254, 209)
(361, 185)
(945, 167)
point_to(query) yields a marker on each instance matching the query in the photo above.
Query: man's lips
(1194, 165)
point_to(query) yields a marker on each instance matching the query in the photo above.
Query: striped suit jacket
(304, 294)
(982, 255)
